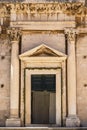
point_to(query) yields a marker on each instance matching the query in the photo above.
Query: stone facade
(43, 38)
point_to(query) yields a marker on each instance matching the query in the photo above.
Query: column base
(13, 122)
(72, 121)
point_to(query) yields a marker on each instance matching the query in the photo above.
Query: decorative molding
(77, 8)
(50, 8)
(43, 25)
(14, 34)
(5, 10)
(43, 53)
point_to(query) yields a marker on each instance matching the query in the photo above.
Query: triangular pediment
(43, 51)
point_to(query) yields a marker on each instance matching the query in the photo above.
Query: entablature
(64, 14)
(43, 25)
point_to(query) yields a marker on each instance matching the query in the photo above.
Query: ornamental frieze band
(40, 8)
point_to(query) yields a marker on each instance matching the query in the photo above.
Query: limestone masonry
(43, 63)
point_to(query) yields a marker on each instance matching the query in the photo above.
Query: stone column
(28, 97)
(72, 119)
(58, 98)
(14, 86)
(63, 93)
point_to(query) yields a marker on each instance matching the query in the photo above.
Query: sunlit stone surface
(43, 38)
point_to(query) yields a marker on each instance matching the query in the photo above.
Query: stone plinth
(72, 121)
(13, 122)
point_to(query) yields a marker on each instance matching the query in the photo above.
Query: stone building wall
(5, 49)
(31, 39)
(81, 54)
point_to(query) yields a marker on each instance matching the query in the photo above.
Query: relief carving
(72, 8)
(42, 8)
(14, 34)
(71, 34)
(4, 10)
(13, 8)
(46, 8)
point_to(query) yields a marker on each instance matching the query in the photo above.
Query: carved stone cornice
(47, 8)
(50, 8)
(14, 34)
(4, 10)
(71, 34)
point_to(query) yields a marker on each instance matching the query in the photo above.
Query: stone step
(43, 128)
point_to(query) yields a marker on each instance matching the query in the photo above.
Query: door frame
(28, 73)
(43, 65)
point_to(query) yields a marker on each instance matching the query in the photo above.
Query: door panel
(43, 99)
(40, 107)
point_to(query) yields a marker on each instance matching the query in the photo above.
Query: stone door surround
(34, 62)
(28, 74)
(41, 57)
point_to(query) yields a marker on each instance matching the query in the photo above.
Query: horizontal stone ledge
(43, 128)
(57, 25)
(82, 30)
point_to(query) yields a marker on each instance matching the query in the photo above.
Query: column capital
(14, 34)
(71, 33)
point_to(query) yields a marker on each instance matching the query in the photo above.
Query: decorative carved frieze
(5, 10)
(14, 34)
(71, 34)
(51, 8)
(46, 8)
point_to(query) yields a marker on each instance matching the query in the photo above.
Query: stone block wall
(4, 79)
(81, 54)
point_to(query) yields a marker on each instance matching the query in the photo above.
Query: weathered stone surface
(72, 121)
(13, 122)
(43, 24)
(4, 79)
(82, 79)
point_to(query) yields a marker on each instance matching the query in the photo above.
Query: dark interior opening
(43, 82)
(43, 99)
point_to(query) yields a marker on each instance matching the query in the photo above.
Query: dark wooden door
(40, 107)
(42, 85)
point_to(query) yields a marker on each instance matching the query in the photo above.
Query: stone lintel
(43, 25)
